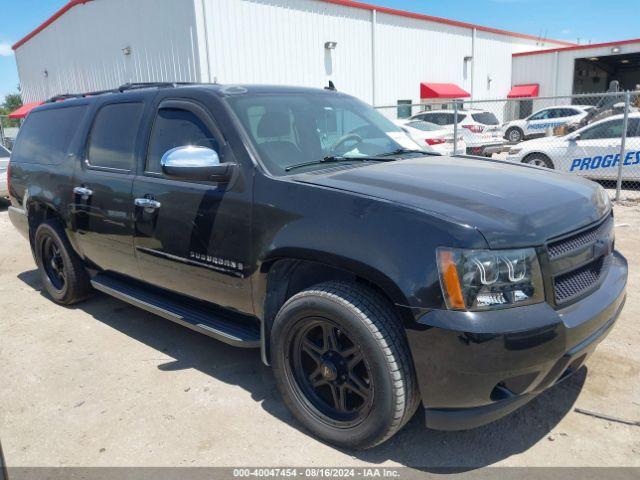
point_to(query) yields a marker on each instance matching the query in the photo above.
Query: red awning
(442, 90)
(524, 91)
(24, 110)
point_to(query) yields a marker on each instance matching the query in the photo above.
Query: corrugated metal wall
(82, 50)
(262, 41)
(282, 42)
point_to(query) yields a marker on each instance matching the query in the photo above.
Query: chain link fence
(596, 136)
(8, 131)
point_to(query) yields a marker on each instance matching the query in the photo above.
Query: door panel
(103, 221)
(197, 240)
(102, 208)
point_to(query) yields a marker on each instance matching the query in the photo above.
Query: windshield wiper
(402, 151)
(337, 159)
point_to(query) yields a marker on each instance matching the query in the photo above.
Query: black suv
(373, 276)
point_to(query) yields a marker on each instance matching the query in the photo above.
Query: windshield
(288, 129)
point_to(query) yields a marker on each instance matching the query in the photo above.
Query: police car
(592, 151)
(537, 123)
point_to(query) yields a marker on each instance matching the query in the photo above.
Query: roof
(24, 110)
(578, 47)
(345, 3)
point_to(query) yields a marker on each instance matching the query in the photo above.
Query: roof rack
(122, 88)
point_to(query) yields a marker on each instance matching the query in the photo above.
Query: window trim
(87, 144)
(199, 111)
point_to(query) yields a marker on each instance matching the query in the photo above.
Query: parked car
(373, 278)
(592, 151)
(539, 122)
(433, 137)
(480, 128)
(4, 163)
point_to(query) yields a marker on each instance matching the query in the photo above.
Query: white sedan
(433, 137)
(592, 151)
(542, 120)
(4, 162)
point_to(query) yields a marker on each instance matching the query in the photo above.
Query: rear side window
(442, 118)
(175, 127)
(45, 136)
(113, 136)
(486, 118)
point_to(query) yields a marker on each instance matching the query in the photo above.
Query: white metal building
(378, 54)
(579, 68)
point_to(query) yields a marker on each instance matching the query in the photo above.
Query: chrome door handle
(83, 191)
(147, 203)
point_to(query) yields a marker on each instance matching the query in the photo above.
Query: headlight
(513, 151)
(604, 200)
(489, 279)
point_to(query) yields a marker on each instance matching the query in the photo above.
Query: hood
(541, 143)
(511, 205)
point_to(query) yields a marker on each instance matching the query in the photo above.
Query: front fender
(388, 244)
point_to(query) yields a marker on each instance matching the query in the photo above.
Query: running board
(209, 320)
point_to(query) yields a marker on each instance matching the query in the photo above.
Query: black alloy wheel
(331, 372)
(53, 263)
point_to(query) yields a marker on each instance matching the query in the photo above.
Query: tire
(538, 160)
(364, 326)
(514, 135)
(61, 270)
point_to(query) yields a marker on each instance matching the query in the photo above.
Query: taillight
(474, 128)
(435, 141)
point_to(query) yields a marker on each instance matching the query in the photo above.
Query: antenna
(331, 86)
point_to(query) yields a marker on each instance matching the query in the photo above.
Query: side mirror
(575, 137)
(195, 163)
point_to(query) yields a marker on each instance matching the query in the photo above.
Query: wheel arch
(282, 276)
(37, 211)
(539, 154)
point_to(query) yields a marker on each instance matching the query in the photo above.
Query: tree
(12, 101)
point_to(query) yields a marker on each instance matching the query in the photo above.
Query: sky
(587, 20)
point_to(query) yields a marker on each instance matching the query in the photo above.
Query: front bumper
(485, 149)
(476, 367)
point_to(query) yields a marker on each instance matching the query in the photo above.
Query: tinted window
(541, 115)
(633, 127)
(113, 136)
(175, 127)
(568, 112)
(611, 129)
(442, 118)
(45, 136)
(486, 118)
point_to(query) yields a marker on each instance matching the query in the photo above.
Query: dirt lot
(103, 383)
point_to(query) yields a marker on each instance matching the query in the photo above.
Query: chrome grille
(568, 245)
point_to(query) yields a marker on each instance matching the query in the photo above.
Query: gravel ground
(104, 383)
